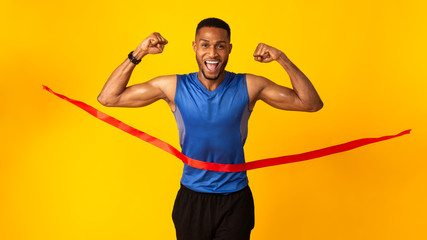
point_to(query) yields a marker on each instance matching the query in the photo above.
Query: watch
(133, 59)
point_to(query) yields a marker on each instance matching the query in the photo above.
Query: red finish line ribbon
(218, 166)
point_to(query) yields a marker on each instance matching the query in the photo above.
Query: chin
(212, 76)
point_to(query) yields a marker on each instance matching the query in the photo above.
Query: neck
(210, 84)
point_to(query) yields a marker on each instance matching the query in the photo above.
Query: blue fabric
(213, 128)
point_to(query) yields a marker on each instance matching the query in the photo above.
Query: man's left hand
(265, 53)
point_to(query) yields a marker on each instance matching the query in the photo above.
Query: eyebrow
(209, 41)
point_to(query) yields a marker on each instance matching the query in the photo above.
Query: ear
(231, 46)
(194, 46)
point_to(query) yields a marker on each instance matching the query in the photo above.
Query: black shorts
(207, 216)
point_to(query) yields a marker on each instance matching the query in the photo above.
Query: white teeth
(212, 62)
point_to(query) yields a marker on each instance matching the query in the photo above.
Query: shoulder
(163, 82)
(164, 79)
(257, 82)
(232, 76)
(166, 84)
(256, 87)
(186, 77)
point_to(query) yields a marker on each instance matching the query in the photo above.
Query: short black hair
(214, 22)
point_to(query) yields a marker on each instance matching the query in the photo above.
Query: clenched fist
(153, 44)
(265, 53)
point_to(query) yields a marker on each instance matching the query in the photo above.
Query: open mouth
(211, 65)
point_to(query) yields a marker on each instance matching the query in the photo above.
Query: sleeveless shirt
(213, 128)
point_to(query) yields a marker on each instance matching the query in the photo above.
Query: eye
(220, 46)
(204, 45)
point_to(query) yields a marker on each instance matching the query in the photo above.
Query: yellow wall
(66, 175)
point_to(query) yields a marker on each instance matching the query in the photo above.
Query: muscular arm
(303, 96)
(115, 92)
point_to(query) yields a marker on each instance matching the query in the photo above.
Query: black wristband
(133, 59)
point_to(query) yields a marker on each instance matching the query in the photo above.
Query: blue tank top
(212, 128)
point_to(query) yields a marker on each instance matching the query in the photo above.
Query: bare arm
(115, 92)
(303, 96)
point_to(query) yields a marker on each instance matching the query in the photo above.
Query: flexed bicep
(302, 97)
(115, 92)
(139, 95)
(277, 96)
(281, 97)
(143, 94)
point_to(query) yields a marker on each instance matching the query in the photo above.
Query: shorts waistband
(186, 189)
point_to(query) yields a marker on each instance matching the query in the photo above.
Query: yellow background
(66, 175)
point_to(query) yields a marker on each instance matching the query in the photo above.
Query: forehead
(212, 34)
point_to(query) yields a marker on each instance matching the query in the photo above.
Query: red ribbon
(219, 166)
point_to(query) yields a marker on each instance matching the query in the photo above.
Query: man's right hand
(153, 44)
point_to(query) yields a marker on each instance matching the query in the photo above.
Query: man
(212, 108)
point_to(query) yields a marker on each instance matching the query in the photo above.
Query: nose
(212, 51)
